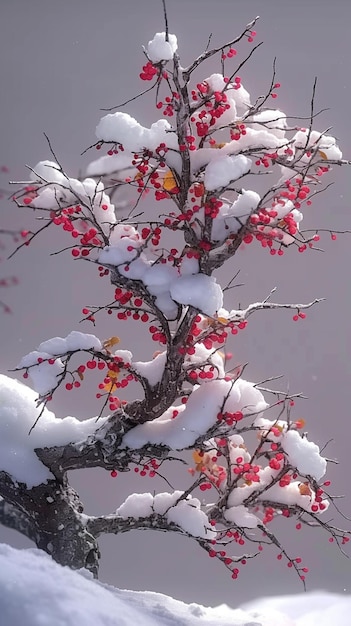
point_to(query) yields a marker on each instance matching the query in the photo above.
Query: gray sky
(60, 63)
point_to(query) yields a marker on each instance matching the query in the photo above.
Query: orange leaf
(218, 145)
(169, 182)
(109, 343)
(197, 456)
(110, 387)
(305, 489)
(113, 374)
(222, 320)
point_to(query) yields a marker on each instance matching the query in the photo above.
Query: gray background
(60, 63)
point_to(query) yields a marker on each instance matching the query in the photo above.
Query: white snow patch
(152, 370)
(200, 291)
(186, 513)
(241, 517)
(36, 591)
(159, 49)
(304, 454)
(225, 169)
(198, 415)
(18, 413)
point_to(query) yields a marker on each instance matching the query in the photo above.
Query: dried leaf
(113, 374)
(109, 343)
(169, 182)
(305, 489)
(222, 320)
(110, 387)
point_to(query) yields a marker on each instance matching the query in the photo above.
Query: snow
(36, 591)
(125, 355)
(200, 291)
(159, 49)
(137, 505)
(189, 266)
(253, 140)
(122, 128)
(291, 495)
(326, 144)
(223, 170)
(241, 517)
(47, 171)
(315, 608)
(55, 190)
(231, 217)
(240, 97)
(18, 413)
(198, 415)
(75, 340)
(171, 286)
(275, 120)
(203, 356)
(158, 278)
(304, 454)
(152, 370)
(186, 513)
(117, 164)
(44, 366)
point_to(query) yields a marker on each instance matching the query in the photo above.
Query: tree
(250, 455)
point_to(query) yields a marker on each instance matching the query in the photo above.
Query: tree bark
(54, 520)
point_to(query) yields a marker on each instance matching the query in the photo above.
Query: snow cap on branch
(18, 413)
(326, 144)
(304, 454)
(186, 513)
(199, 414)
(44, 365)
(198, 290)
(225, 169)
(121, 128)
(47, 171)
(56, 191)
(241, 517)
(158, 49)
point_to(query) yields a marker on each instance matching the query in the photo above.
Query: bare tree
(201, 160)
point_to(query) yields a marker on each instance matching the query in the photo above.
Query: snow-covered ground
(35, 591)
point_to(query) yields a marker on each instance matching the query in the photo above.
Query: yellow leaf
(323, 155)
(109, 343)
(169, 182)
(222, 320)
(304, 489)
(113, 374)
(197, 456)
(110, 387)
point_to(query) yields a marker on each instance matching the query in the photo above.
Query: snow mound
(35, 591)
